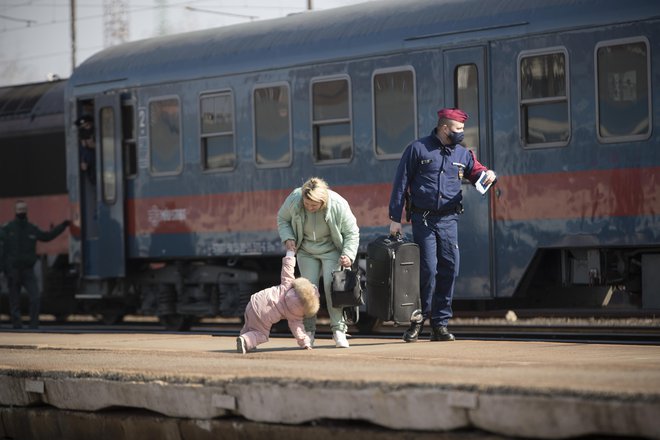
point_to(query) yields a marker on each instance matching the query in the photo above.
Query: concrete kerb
(94, 394)
(414, 407)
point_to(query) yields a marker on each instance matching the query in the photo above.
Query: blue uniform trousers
(437, 237)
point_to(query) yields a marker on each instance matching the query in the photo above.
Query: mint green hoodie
(341, 221)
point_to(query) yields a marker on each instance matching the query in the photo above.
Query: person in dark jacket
(2, 251)
(87, 150)
(431, 170)
(20, 251)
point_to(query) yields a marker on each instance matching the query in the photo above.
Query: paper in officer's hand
(480, 183)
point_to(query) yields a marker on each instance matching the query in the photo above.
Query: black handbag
(346, 288)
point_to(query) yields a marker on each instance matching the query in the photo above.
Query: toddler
(293, 300)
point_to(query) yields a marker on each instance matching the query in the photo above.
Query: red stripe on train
(586, 194)
(240, 212)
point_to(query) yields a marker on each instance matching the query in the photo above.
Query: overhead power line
(22, 20)
(228, 14)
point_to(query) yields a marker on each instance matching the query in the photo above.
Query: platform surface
(527, 389)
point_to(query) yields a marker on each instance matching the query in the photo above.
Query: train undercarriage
(592, 277)
(181, 293)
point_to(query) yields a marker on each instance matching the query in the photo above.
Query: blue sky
(35, 35)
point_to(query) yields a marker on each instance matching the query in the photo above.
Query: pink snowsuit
(273, 304)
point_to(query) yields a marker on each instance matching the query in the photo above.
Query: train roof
(367, 28)
(30, 108)
(34, 99)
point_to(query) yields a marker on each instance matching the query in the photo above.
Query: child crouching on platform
(293, 300)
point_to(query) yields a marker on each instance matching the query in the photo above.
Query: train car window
(272, 126)
(466, 87)
(545, 120)
(623, 90)
(108, 155)
(331, 120)
(394, 111)
(165, 136)
(128, 140)
(27, 176)
(217, 130)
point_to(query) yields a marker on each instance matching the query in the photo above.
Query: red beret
(453, 114)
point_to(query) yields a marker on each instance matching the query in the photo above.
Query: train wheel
(61, 318)
(111, 318)
(176, 322)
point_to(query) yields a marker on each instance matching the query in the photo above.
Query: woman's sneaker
(340, 339)
(241, 347)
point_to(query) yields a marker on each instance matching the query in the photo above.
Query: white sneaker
(340, 339)
(310, 335)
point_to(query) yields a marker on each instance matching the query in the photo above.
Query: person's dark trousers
(23, 278)
(439, 261)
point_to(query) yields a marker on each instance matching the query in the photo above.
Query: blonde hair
(316, 190)
(306, 291)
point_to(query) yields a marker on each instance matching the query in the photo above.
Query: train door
(465, 88)
(103, 241)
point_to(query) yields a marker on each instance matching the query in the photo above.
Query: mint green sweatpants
(313, 267)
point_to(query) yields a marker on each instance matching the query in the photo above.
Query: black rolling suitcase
(393, 279)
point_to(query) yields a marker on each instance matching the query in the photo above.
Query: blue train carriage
(32, 168)
(576, 216)
(202, 136)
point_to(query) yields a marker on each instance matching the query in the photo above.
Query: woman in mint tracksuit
(318, 224)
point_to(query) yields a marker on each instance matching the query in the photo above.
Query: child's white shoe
(310, 335)
(240, 345)
(340, 339)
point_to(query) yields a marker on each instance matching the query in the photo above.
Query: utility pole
(309, 5)
(73, 35)
(115, 22)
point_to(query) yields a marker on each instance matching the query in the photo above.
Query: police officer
(431, 168)
(20, 255)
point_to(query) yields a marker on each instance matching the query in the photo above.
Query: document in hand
(480, 183)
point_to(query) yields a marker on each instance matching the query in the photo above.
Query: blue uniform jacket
(431, 170)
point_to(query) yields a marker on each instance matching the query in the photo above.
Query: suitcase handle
(396, 237)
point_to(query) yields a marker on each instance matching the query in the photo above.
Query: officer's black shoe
(441, 334)
(413, 332)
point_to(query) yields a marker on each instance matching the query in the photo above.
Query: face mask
(456, 137)
(22, 216)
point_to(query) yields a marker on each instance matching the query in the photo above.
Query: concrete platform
(525, 389)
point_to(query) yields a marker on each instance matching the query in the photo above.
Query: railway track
(551, 333)
(646, 333)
